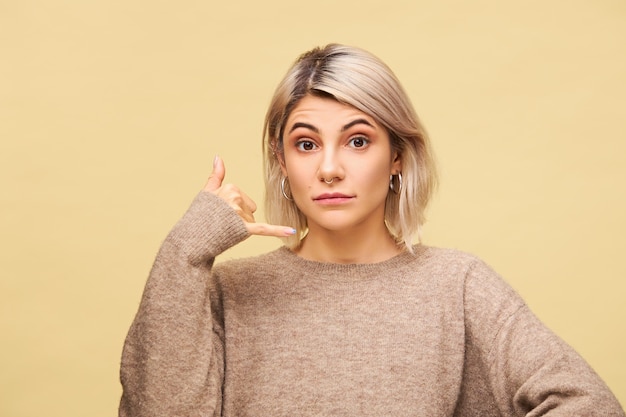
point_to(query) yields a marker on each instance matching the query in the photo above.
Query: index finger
(264, 229)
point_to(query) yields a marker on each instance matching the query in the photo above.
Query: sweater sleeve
(530, 370)
(172, 361)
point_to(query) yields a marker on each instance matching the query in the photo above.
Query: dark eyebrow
(343, 129)
(304, 125)
(356, 122)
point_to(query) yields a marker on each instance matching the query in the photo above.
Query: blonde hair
(357, 78)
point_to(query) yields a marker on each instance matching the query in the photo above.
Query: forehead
(326, 110)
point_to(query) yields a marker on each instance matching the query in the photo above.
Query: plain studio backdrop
(111, 113)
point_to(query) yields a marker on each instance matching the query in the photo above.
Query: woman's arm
(530, 370)
(172, 363)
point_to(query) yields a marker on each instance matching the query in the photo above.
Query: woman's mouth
(332, 199)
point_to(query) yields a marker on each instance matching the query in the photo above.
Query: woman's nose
(330, 166)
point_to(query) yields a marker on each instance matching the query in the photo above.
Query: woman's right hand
(241, 203)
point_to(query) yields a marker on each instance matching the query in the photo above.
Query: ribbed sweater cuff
(208, 228)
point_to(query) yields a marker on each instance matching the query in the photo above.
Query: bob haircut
(354, 77)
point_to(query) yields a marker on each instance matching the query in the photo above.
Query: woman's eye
(305, 145)
(358, 142)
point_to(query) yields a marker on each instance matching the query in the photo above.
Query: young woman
(349, 318)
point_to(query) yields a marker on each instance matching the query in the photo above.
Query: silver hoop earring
(282, 189)
(392, 186)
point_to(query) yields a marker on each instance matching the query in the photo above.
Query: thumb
(217, 176)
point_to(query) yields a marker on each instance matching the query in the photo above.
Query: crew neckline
(350, 271)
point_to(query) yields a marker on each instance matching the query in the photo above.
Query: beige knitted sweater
(437, 333)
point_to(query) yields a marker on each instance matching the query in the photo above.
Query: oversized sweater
(434, 333)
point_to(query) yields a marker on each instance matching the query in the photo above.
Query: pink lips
(332, 198)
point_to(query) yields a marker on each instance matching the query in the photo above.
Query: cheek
(298, 181)
(378, 173)
(300, 187)
(300, 177)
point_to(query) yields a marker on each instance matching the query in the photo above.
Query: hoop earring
(392, 186)
(282, 189)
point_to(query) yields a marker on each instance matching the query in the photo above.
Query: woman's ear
(279, 154)
(281, 160)
(396, 163)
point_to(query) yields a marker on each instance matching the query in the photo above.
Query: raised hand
(241, 203)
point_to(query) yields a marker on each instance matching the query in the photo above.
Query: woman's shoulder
(256, 263)
(480, 279)
(445, 257)
(475, 273)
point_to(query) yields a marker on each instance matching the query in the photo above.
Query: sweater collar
(358, 272)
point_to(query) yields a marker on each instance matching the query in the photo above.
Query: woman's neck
(348, 247)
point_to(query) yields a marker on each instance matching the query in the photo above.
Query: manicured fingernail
(291, 231)
(215, 160)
